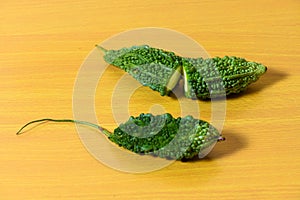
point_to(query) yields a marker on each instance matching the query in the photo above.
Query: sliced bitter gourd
(216, 77)
(156, 68)
(203, 78)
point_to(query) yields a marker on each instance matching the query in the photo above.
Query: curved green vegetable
(215, 77)
(203, 78)
(160, 135)
(158, 69)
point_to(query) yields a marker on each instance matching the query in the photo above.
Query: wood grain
(43, 44)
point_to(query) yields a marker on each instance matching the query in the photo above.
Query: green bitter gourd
(203, 78)
(160, 135)
(215, 77)
(156, 68)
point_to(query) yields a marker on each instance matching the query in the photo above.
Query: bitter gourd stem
(103, 130)
(101, 48)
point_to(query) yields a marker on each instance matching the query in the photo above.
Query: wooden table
(44, 43)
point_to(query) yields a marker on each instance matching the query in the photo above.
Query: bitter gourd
(160, 135)
(203, 78)
(215, 77)
(156, 68)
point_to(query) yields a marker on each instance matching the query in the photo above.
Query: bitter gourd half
(215, 77)
(156, 68)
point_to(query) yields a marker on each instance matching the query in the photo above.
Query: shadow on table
(234, 142)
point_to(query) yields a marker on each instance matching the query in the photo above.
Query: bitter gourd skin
(156, 68)
(158, 135)
(203, 78)
(215, 77)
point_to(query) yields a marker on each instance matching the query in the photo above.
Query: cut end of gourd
(188, 92)
(185, 82)
(174, 79)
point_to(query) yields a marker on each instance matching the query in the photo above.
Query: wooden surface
(44, 43)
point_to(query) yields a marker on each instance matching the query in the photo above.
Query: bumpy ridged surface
(204, 78)
(125, 58)
(152, 67)
(215, 77)
(165, 136)
(154, 75)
